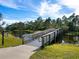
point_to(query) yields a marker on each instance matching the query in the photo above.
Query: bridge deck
(44, 33)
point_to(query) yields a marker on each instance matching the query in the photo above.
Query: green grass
(10, 41)
(58, 51)
(73, 33)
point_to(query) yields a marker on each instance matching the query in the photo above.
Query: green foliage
(58, 51)
(71, 37)
(16, 28)
(74, 23)
(47, 23)
(72, 33)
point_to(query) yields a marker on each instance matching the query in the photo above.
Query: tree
(47, 23)
(71, 27)
(70, 18)
(58, 22)
(16, 28)
(53, 23)
(75, 22)
(35, 25)
(40, 24)
(65, 20)
(29, 25)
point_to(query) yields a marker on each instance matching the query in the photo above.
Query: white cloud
(71, 4)
(9, 21)
(18, 4)
(47, 9)
(9, 3)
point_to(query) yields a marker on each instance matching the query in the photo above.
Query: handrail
(50, 39)
(49, 33)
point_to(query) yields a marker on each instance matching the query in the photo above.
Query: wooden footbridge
(49, 36)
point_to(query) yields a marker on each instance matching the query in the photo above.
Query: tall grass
(10, 40)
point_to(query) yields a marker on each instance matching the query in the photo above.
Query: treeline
(70, 23)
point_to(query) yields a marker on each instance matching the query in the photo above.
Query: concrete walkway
(19, 52)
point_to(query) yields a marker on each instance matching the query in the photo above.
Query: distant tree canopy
(66, 23)
(16, 26)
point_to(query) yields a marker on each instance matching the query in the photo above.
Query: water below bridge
(70, 39)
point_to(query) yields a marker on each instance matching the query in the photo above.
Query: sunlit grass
(58, 51)
(10, 40)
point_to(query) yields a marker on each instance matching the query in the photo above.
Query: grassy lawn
(10, 41)
(58, 51)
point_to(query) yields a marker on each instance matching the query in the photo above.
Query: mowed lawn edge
(58, 51)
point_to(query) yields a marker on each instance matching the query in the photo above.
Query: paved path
(19, 52)
(35, 43)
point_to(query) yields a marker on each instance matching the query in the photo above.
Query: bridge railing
(50, 37)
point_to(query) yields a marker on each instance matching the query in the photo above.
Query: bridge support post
(61, 34)
(42, 42)
(54, 38)
(57, 37)
(46, 40)
(49, 39)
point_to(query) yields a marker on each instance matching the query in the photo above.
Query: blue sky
(25, 10)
